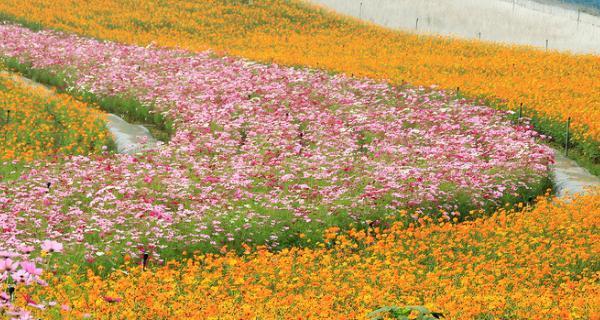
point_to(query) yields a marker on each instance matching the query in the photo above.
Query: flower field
(281, 190)
(265, 153)
(552, 86)
(35, 126)
(262, 155)
(540, 263)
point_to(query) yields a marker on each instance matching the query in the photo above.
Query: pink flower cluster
(261, 152)
(18, 269)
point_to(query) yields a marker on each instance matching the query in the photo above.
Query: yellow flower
(502, 266)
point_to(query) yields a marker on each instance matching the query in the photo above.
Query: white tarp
(508, 21)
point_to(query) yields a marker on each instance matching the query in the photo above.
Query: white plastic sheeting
(508, 21)
(129, 138)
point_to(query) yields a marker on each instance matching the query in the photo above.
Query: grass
(298, 235)
(7, 17)
(11, 170)
(585, 151)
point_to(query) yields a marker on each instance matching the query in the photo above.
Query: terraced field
(550, 86)
(288, 192)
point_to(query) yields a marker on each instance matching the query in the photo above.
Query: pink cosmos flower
(287, 177)
(30, 268)
(7, 265)
(7, 254)
(26, 249)
(21, 277)
(20, 314)
(52, 246)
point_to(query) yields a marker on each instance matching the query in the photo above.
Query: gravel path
(570, 178)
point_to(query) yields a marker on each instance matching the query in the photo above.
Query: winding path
(570, 178)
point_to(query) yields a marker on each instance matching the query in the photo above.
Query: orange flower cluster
(35, 124)
(536, 263)
(292, 33)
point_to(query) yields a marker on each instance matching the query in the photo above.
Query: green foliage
(5, 17)
(11, 170)
(404, 313)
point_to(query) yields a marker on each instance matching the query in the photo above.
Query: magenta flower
(112, 299)
(33, 303)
